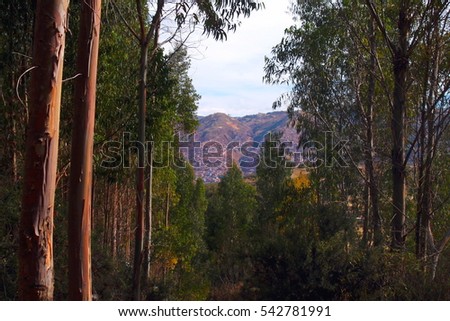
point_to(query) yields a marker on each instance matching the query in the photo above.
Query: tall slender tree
(80, 280)
(432, 122)
(370, 147)
(145, 38)
(36, 224)
(400, 50)
(413, 20)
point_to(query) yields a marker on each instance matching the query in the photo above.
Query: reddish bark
(80, 196)
(36, 223)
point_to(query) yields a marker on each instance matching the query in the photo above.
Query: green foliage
(117, 83)
(314, 255)
(229, 220)
(324, 57)
(230, 213)
(304, 254)
(173, 100)
(219, 17)
(272, 183)
(180, 247)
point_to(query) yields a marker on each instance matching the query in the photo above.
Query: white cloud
(228, 75)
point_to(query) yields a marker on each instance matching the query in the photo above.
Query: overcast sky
(228, 75)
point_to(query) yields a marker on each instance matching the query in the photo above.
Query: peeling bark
(36, 223)
(80, 195)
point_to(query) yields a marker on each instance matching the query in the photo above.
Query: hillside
(223, 129)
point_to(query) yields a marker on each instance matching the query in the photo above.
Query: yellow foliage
(172, 263)
(301, 180)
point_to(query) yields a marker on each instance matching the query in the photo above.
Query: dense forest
(365, 217)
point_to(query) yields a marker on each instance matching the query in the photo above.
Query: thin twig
(71, 78)
(18, 83)
(21, 54)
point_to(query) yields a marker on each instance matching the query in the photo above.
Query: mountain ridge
(223, 129)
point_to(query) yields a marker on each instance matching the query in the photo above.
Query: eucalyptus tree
(403, 26)
(372, 65)
(431, 80)
(36, 224)
(317, 61)
(80, 191)
(173, 104)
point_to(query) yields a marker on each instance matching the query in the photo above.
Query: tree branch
(141, 19)
(375, 15)
(155, 21)
(125, 21)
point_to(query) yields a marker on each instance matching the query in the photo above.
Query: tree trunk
(139, 237)
(36, 223)
(106, 212)
(437, 253)
(400, 69)
(420, 238)
(144, 41)
(80, 195)
(148, 215)
(373, 185)
(93, 196)
(128, 235)
(428, 138)
(426, 249)
(115, 213)
(366, 214)
(120, 224)
(167, 205)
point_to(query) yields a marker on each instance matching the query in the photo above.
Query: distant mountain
(222, 129)
(261, 124)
